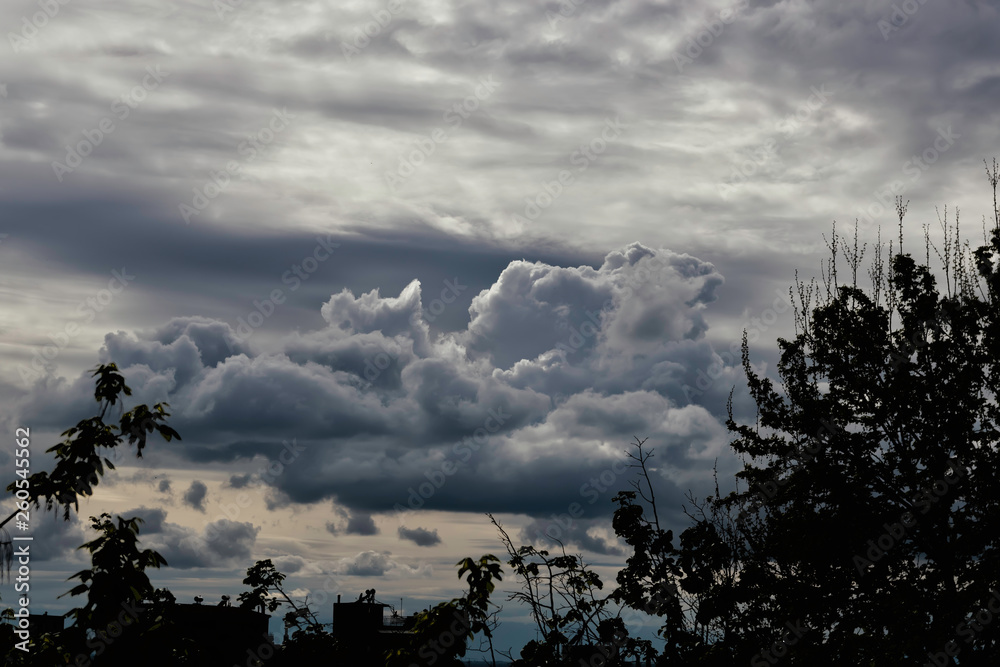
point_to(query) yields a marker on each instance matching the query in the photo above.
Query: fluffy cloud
(178, 350)
(379, 564)
(195, 495)
(374, 410)
(353, 523)
(61, 538)
(566, 531)
(152, 519)
(420, 536)
(221, 544)
(289, 564)
(240, 481)
(638, 301)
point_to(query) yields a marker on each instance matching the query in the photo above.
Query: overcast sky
(447, 256)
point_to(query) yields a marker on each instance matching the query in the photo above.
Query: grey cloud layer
(373, 434)
(688, 128)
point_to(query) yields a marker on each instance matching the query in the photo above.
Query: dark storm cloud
(379, 564)
(361, 524)
(152, 519)
(560, 360)
(221, 544)
(352, 523)
(195, 495)
(289, 564)
(420, 536)
(239, 481)
(61, 538)
(556, 532)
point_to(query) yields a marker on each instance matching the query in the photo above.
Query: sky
(396, 264)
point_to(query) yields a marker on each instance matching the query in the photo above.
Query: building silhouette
(225, 635)
(366, 632)
(219, 636)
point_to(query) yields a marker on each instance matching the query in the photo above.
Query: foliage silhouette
(570, 616)
(869, 530)
(116, 583)
(459, 619)
(79, 464)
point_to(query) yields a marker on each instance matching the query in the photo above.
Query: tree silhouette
(441, 633)
(126, 615)
(650, 580)
(266, 580)
(869, 530)
(310, 642)
(79, 463)
(572, 619)
(116, 582)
